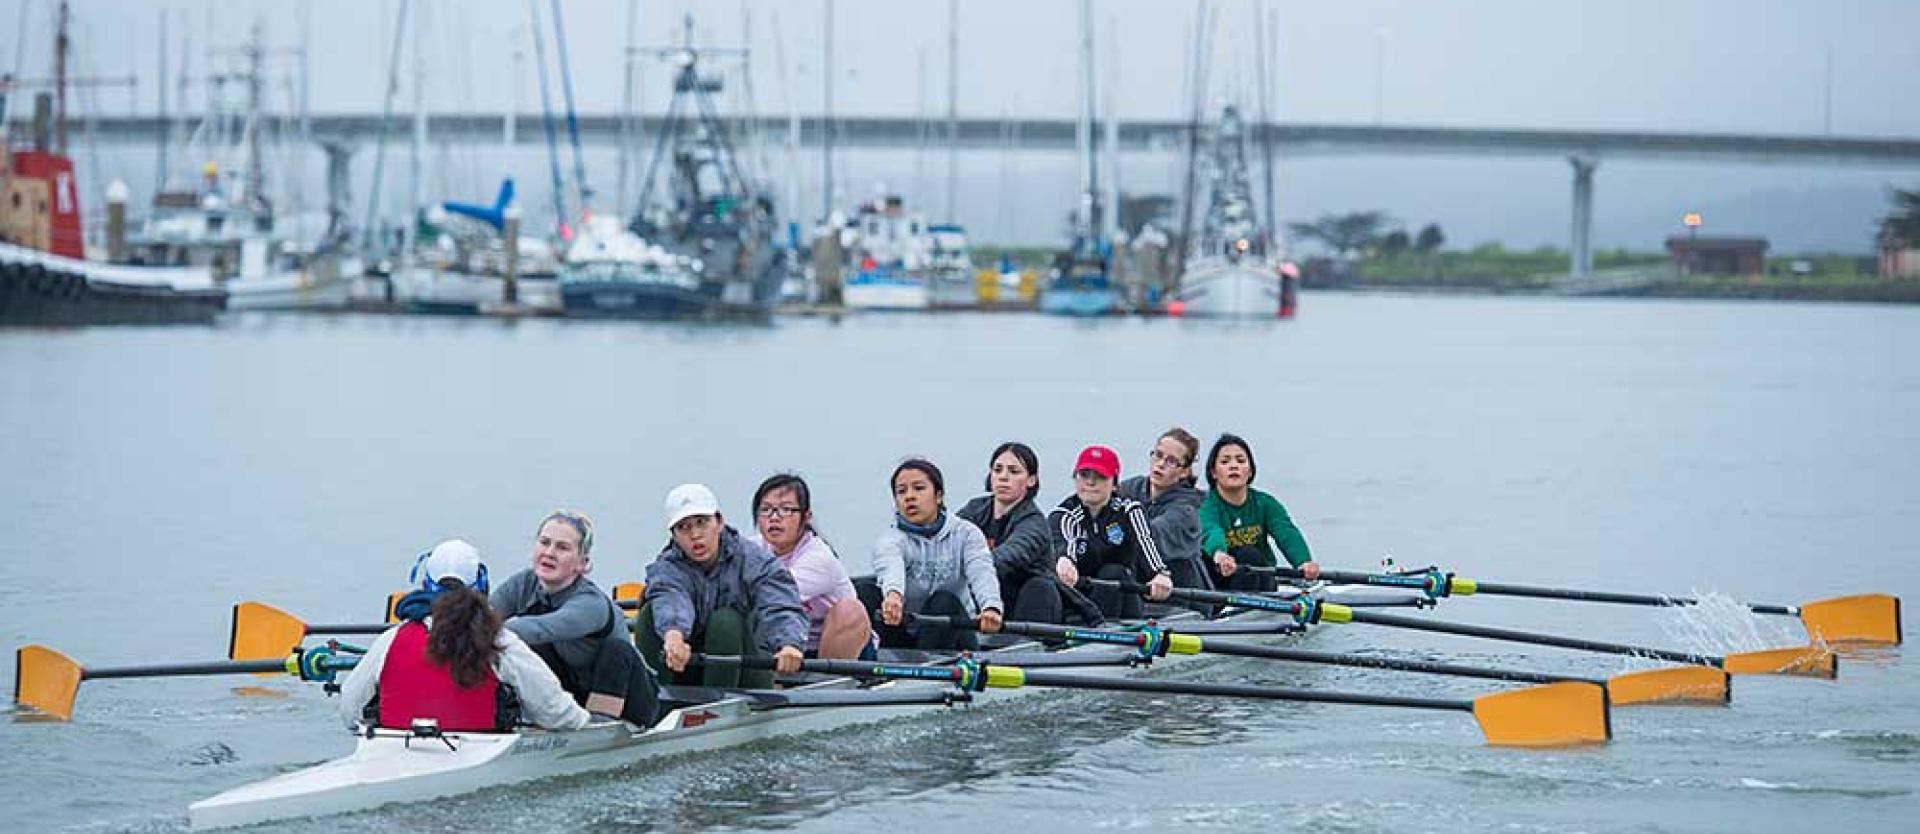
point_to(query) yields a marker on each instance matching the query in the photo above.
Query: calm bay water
(149, 478)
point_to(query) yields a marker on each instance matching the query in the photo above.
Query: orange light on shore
(1691, 220)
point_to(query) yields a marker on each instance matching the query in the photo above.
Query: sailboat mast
(416, 177)
(546, 121)
(160, 115)
(1089, 143)
(371, 233)
(1112, 203)
(953, 106)
(826, 121)
(1269, 212)
(573, 120)
(626, 110)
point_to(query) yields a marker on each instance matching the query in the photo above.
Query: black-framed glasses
(1159, 457)
(780, 512)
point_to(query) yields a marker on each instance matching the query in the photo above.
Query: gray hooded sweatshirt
(1174, 516)
(573, 620)
(955, 560)
(743, 576)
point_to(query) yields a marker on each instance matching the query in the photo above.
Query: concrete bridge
(1584, 150)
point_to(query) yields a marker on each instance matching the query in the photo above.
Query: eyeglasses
(1159, 458)
(780, 512)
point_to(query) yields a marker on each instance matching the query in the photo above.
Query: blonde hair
(579, 521)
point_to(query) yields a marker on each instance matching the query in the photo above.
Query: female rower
(573, 625)
(838, 627)
(451, 661)
(713, 591)
(931, 563)
(1100, 535)
(1016, 532)
(1173, 505)
(1240, 524)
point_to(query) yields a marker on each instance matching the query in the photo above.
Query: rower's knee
(845, 616)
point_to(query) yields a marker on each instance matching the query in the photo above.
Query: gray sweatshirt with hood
(743, 576)
(955, 560)
(1174, 516)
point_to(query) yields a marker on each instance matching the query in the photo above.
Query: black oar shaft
(1387, 663)
(1509, 635)
(1535, 591)
(214, 667)
(1239, 690)
(337, 629)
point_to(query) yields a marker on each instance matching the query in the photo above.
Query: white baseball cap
(451, 559)
(690, 500)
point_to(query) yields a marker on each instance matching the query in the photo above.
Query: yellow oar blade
(1673, 685)
(630, 591)
(393, 605)
(46, 680)
(1554, 715)
(263, 632)
(1866, 618)
(1801, 661)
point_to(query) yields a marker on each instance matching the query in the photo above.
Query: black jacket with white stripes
(1117, 535)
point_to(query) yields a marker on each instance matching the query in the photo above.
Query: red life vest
(414, 686)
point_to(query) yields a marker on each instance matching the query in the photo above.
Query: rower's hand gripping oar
(47, 680)
(1554, 715)
(1809, 661)
(1677, 685)
(1861, 619)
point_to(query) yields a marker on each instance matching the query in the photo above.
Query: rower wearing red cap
(1100, 535)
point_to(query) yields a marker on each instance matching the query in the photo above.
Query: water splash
(1722, 625)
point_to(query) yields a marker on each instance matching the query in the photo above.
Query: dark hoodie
(1174, 516)
(1021, 551)
(744, 576)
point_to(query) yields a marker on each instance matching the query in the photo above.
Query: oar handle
(1491, 633)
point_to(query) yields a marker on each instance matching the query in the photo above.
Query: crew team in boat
(781, 590)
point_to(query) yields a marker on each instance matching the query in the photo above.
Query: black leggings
(1036, 599)
(1116, 603)
(618, 671)
(922, 636)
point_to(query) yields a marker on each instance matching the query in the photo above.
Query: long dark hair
(1027, 459)
(1213, 456)
(464, 632)
(925, 467)
(786, 480)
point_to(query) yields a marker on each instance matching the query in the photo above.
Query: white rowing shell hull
(391, 767)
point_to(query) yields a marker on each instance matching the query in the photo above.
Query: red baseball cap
(1099, 459)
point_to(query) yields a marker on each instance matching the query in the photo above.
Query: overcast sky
(1755, 66)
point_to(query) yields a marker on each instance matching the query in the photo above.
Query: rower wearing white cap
(451, 660)
(714, 591)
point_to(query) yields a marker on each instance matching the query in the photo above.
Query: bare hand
(1225, 563)
(677, 652)
(989, 621)
(1069, 574)
(1160, 587)
(893, 609)
(1310, 570)
(786, 661)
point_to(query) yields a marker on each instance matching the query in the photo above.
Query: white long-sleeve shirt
(542, 701)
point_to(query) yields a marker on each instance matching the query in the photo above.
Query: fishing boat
(394, 766)
(1233, 268)
(951, 281)
(611, 272)
(711, 212)
(45, 276)
(890, 258)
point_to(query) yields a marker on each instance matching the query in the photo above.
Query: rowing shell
(390, 766)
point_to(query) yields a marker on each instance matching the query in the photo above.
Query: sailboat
(1081, 282)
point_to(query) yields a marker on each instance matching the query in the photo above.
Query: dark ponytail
(464, 634)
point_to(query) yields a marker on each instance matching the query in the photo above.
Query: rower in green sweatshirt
(1239, 525)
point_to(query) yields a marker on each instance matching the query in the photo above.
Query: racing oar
(48, 680)
(261, 631)
(1861, 619)
(1805, 661)
(1677, 685)
(1554, 715)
